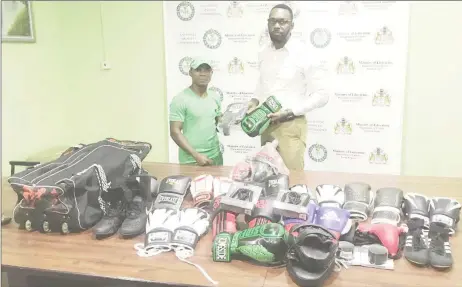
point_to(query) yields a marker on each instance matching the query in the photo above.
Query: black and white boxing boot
(440, 254)
(416, 210)
(416, 247)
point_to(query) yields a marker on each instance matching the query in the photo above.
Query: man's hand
(280, 116)
(252, 105)
(202, 160)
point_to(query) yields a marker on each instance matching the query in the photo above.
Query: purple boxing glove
(335, 219)
(289, 222)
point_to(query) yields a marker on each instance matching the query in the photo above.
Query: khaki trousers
(291, 136)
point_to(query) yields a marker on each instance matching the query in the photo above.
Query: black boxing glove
(275, 183)
(263, 211)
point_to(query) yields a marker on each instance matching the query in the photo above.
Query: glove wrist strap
(386, 214)
(158, 237)
(155, 242)
(425, 219)
(185, 237)
(221, 250)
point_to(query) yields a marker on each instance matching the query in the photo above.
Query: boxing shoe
(114, 215)
(136, 215)
(416, 247)
(135, 221)
(440, 253)
(416, 211)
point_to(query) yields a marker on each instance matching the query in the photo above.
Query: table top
(116, 258)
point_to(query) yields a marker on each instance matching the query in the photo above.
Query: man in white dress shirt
(286, 72)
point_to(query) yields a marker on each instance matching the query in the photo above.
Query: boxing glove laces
(160, 225)
(193, 223)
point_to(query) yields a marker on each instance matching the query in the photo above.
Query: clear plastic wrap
(261, 165)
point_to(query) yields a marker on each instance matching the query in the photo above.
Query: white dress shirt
(287, 73)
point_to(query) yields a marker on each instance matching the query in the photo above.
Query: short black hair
(285, 7)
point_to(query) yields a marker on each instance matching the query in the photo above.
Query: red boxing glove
(223, 221)
(389, 235)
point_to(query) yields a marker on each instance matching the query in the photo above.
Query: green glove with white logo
(257, 121)
(263, 244)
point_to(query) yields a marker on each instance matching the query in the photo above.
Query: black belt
(288, 119)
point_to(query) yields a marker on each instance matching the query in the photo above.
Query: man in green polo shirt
(194, 114)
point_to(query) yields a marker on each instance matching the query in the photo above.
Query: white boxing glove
(160, 226)
(202, 190)
(192, 225)
(330, 195)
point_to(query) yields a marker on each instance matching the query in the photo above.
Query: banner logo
(212, 39)
(343, 127)
(384, 36)
(378, 156)
(235, 9)
(381, 99)
(185, 65)
(346, 66)
(236, 66)
(320, 37)
(218, 91)
(185, 11)
(317, 153)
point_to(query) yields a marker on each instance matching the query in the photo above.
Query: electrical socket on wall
(105, 65)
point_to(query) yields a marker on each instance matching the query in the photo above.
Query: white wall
(432, 136)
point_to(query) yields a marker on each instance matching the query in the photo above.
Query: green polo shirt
(198, 116)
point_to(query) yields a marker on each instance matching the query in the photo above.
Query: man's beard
(282, 38)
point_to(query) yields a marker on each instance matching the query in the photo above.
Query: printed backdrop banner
(360, 50)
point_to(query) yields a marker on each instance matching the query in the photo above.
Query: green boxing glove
(264, 244)
(256, 122)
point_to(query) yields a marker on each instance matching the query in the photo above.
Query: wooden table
(116, 258)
